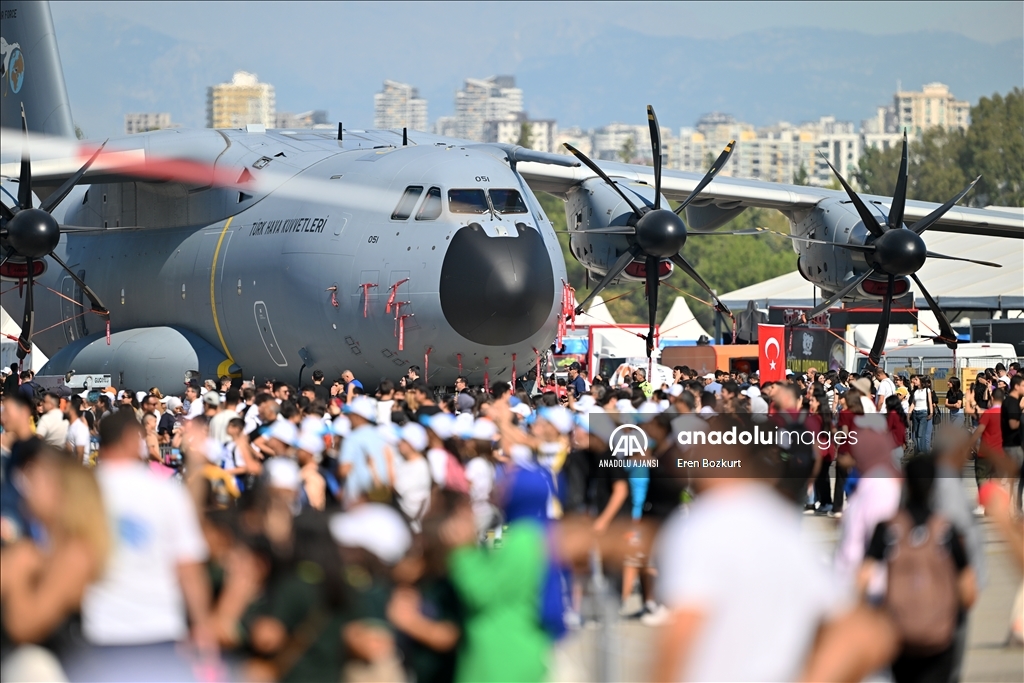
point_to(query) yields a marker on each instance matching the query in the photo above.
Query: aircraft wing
(730, 193)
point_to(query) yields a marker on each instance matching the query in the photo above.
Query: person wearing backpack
(929, 583)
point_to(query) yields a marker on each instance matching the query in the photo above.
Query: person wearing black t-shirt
(955, 402)
(980, 398)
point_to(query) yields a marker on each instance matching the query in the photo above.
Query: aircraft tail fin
(31, 72)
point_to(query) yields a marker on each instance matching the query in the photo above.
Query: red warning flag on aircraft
(771, 340)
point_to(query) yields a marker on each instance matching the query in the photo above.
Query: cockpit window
(431, 208)
(407, 203)
(467, 201)
(508, 201)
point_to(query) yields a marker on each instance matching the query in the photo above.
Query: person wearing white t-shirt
(79, 440)
(747, 592)
(412, 474)
(886, 388)
(155, 576)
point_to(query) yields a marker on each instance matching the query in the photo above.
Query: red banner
(771, 344)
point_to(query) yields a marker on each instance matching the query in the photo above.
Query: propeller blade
(832, 300)
(29, 318)
(57, 197)
(932, 254)
(652, 299)
(751, 231)
(875, 354)
(610, 230)
(865, 248)
(709, 176)
(25, 179)
(613, 272)
(6, 211)
(938, 213)
(685, 266)
(899, 195)
(870, 222)
(604, 176)
(948, 334)
(97, 305)
(652, 121)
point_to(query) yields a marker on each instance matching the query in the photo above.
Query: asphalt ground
(624, 651)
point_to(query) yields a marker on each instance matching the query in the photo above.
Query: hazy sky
(160, 56)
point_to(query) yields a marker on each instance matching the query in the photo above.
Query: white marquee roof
(680, 323)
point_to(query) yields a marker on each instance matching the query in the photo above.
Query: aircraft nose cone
(33, 233)
(661, 233)
(900, 252)
(496, 290)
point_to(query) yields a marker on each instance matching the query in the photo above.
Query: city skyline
(782, 69)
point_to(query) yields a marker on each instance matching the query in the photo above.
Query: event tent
(679, 323)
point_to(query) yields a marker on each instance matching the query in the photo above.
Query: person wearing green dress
(500, 589)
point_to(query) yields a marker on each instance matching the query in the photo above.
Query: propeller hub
(33, 233)
(661, 232)
(899, 252)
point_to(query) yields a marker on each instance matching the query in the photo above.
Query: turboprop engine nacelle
(593, 205)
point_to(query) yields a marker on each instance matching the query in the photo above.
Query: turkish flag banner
(771, 340)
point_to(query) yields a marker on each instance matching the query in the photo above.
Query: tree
(525, 135)
(994, 148)
(936, 167)
(801, 177)
(628, 151)
(876, 172)
(943, 161)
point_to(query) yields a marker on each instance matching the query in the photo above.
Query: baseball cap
(575, 365)
(211, 398)
(710, 375)
(675, 390)
(282, 473)
(375, 527)
(863, 385)
(363, 406)
(559, 417)
(414, 435)
(751, 392)
(465, 403)
(484, 430)
(522, 410)
(441, 424)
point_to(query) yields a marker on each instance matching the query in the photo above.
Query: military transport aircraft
(260, 252)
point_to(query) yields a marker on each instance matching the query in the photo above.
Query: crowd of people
(339, 531)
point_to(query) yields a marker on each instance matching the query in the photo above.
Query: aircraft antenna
(339, 131)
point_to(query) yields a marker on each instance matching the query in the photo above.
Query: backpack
(455, 475)
(922, 595)
(797, 458)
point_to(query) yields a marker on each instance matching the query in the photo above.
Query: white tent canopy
(596, 314)
(954, 284)
(680, 323)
